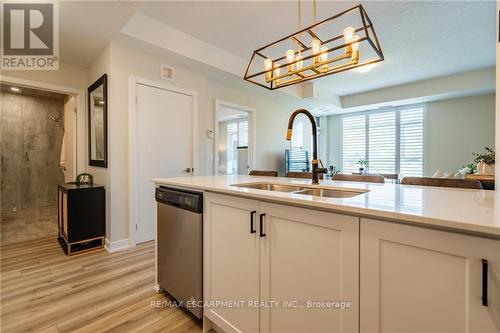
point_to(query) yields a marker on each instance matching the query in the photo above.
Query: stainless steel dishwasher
(180, 245)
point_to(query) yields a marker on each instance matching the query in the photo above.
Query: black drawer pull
(485, 282)
(252, 225)
(262, 233)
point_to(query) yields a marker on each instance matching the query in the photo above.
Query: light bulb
(315, 46)
(348, 34)
(268, 65)
(355, 49)
(277, 71)
(299, 64)
(355, 46)
(324, 53)
(323, 56)
(290, 57)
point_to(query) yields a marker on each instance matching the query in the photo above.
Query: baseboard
(118, 245)
(157, 288)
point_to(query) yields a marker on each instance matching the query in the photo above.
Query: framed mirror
(98, 122)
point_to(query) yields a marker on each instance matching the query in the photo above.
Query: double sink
(316, 191)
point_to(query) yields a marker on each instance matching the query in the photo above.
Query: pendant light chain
(314, 6)
(300, 26)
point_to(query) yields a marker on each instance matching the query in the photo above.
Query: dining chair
(442, 182)
(391, 177)
(304, 175)
(359, 178)
(263, 173)
(295, 174)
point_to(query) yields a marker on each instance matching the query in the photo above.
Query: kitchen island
(386, 257)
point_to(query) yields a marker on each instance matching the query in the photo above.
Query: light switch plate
(210, 134)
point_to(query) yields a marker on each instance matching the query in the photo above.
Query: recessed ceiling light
(365, 68)
(16, 89)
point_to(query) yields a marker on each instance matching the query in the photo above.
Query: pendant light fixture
(339, 43)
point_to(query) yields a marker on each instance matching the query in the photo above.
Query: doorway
(234, 133)
(34, 132)
(163, 145)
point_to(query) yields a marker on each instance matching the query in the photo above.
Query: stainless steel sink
(270, 187)
(317, 191)
(328, 193)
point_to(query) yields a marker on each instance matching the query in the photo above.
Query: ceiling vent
(167, 72)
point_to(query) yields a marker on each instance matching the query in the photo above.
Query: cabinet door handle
(252, 222)
(262, 233)
(485, 282)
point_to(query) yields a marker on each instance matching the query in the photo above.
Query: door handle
(27, 156)
(252, 225)
(188, 170)
(261, 231)
(484, 297)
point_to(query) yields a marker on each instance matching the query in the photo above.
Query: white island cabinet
(423, 267)
(231, 262)
(296, 270)
(422, 280)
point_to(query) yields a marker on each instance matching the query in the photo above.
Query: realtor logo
(30, 36)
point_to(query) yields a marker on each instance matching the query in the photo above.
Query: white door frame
(132, 151)
(251, 133)
(79, 156)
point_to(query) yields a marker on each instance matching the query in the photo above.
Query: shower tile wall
(30, 151)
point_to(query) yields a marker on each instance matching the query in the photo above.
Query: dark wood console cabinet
(81, 217)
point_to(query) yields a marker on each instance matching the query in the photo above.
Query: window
(237, 136)
(353, 142)
(391, 141)
(412, 142)
(302, 132)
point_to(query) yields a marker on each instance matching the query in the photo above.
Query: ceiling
(420, 39)
(86, 27)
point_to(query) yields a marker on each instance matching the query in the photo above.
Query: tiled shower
(31, 134)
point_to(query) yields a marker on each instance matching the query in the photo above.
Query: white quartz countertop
(471, 211)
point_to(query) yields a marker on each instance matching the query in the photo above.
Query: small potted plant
(468, 169)
(485, 161)
(362, 165)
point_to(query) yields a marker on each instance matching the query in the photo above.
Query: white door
(164, 148)
(231, 261)
(308, 256)
(421, 280)
(70, 140)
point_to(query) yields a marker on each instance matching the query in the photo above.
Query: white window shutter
(412, 142)
(354, 142)
(392, 141)
(382, 142)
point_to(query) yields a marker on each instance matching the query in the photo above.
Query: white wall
(102, 65)
(121, 62)
(454, 129)
(67, 75)
(334, 145)
(497, 106)
(470, 83)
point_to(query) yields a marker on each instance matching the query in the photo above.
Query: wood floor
(42, 290)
